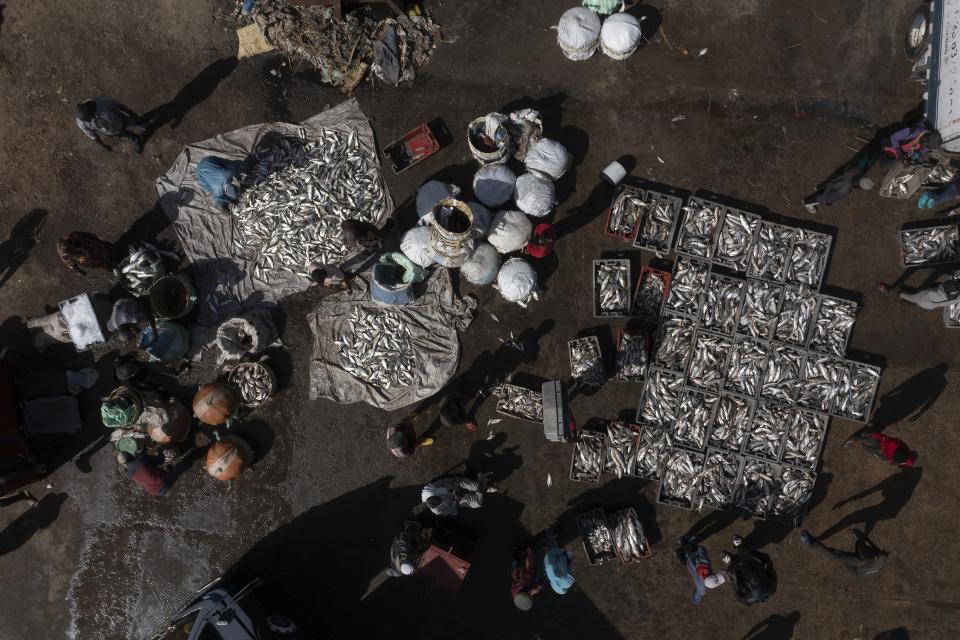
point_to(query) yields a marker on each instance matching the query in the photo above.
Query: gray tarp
(434, 319)
(225, 282)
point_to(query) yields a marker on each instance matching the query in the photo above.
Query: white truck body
(943, 74)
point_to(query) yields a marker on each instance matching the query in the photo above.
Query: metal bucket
(172, 297)
(452, 233)
(485, 156)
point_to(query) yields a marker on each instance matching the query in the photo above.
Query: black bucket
(172, 297)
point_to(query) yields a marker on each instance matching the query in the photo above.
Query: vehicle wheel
(281, 626)
(918, 33)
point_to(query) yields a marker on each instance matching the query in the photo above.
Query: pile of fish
(903, 180)
(694, 417)
(805, 433)
(835, 319)
(760, 305)
(586, 361)
(706, 368)
(731, 423)
(376, 347)
(718, 479)
(794, 488)
(674, 343)
(735, 239)
(596, 536)
(746, 366)
(681, 475)
(686, 288)
(519, 402)
(721, 304)
(864, 380)
(951, 316)
(651, 450)
(696, 237)
(625, 213)
(824, 381)
(661, 395)
(587, 460)
(930, 245)
(632, 356)
(628, 537)
(808, 260)
(290, 217)
(758, 484)
(796, 315)
(649, 297)
(657, 224)
(620, 456)
(767, 431)
(254, 382)
(611, 287)
(138, 271)
(781, 378)
(768, 260)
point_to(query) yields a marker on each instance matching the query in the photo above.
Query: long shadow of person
(191, 95)
(593, 207)
(484, 458)
(775, 627)
(896, 490)
(916, 394)
(35, 519)
(712, 524)
(900, 633)
(774, 532)
(15, 250)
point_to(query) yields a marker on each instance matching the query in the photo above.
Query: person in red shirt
(524, 581)
(893, 450)
(542, 241)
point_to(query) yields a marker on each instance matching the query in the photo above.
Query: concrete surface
(777, 103)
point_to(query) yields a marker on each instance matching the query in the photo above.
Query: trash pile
(581, 32)
(345, 51)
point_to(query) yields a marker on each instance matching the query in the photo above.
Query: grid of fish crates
(747, 369)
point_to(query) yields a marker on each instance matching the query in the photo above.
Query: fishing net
(232, 269)
(423, 333)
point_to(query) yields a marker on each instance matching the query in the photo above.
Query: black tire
(916, 35)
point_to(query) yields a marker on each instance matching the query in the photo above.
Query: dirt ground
(782, 96)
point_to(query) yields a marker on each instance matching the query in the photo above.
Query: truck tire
(917, 33)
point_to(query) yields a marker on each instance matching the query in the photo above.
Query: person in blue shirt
(556, 565)
(216, 175)
(697, 561)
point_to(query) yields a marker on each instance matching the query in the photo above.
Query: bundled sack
(493, 184)
(481, 218)
(415, 244)
(549, 159)
(620, 36)
(482, 266)
(429, 194)
(517, 281)
(603, 7)
(510, 231)
(534, 195)
(578, 33)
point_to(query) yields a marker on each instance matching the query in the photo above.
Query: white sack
(548, 158)
(415, 244)
(578, 33)
(510, 231)
(620, 35)
(493, 184)
(482, 266)
(481, 218)
(517, 281)
(534, 196)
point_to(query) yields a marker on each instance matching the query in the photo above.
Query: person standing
(697, 561)
(866, 559)
(893, 450)
(752, 577)
(407, 548)
(445, 496)
(402, 438)
(933, 297)
(103, 116)
(216, 176)
(82, 249)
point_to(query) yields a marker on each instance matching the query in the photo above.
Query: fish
(731, 422)
(718, 479)
(781, 377)
(758, 316)
(587, 460)
(629, 540)
(625, 213)
(632, 349)
(687, 286)
(649, 297)
(746, 366)
(253, 382)
(831, 331)
(808, 258)
(721, 304)
(596, 535)
(657, 224)
(792, 490)
(651, 448)
(864, 380)
(767, 431)
(825, 382)
(735, 239)
(694, 417)
(519, 402)
(757, 487)
(696, 235)
(768, 259)
(674, 343)
(659, 399)
(141, 268)
(805, 434)
(681, 476)
(376, 347)
(620, 446)
(706, 369)
(930, 245)
(796, 314)
(586, 362)
(612, 286)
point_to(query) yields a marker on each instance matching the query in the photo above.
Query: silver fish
(721, 304)
(706, 369)
(931, 245)
(652, 447)
(696, 235)
(758, 484)
(649, 297)
(808, 260)
(674, 343)
(625, 213)
(805, 434)
(629, 539)
(141, 268)
(632, 349)
(796, 314)
(768, 259)
(758, 316)
(864, 380)
(767, 431)
(681, 476)
(731, 423)
(656, 226)
(587, 460)
(687, 286)
(659, 400)
(586, 361)
(596, 535)
(612, 286)
(718, 480)
(793, 489)
(735, 239)
(781, 378)
(748, 360)
(620, 453)
(694, 417)
(951, 317)
(253, 381)
(376, 347)
(519, 402)
(825, 380)
(831, 331)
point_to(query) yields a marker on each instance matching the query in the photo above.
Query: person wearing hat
(933, 297)
(402, 438)
(697, 561)
(407, 548)
(866, 559)
(524, 581)
(752, 576)
(103, 116)
(893, 450)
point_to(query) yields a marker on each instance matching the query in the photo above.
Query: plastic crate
(747, 328)
(513, 414)
(655, 373)
(644, 541)
(944, 260)
(951, 316)
(822, 421)
(700, 397)
(739, 263)
(660, 436)
(593, 558)
(740, 501)
(801, 355)
(626, 191)
(699, 203)
(595, 375)
(853, 365)
(675, 204)
(599, 312)
(746, 420)
(619, 374)
(791, 515)
(752, 270)
(815, 360)
(668, 322)
(781, 415)
(583, 436)
(723, 365)
(726, 280)
(703, 497)
(783, 336)
(650, 316)
(797, 242)
(732, 386)
(673, 303)
(675, 501)
(821, 310)
(608, 445)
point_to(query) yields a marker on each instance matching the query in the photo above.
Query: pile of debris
(344, 51)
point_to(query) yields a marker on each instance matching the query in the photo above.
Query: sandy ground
(776, 103)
